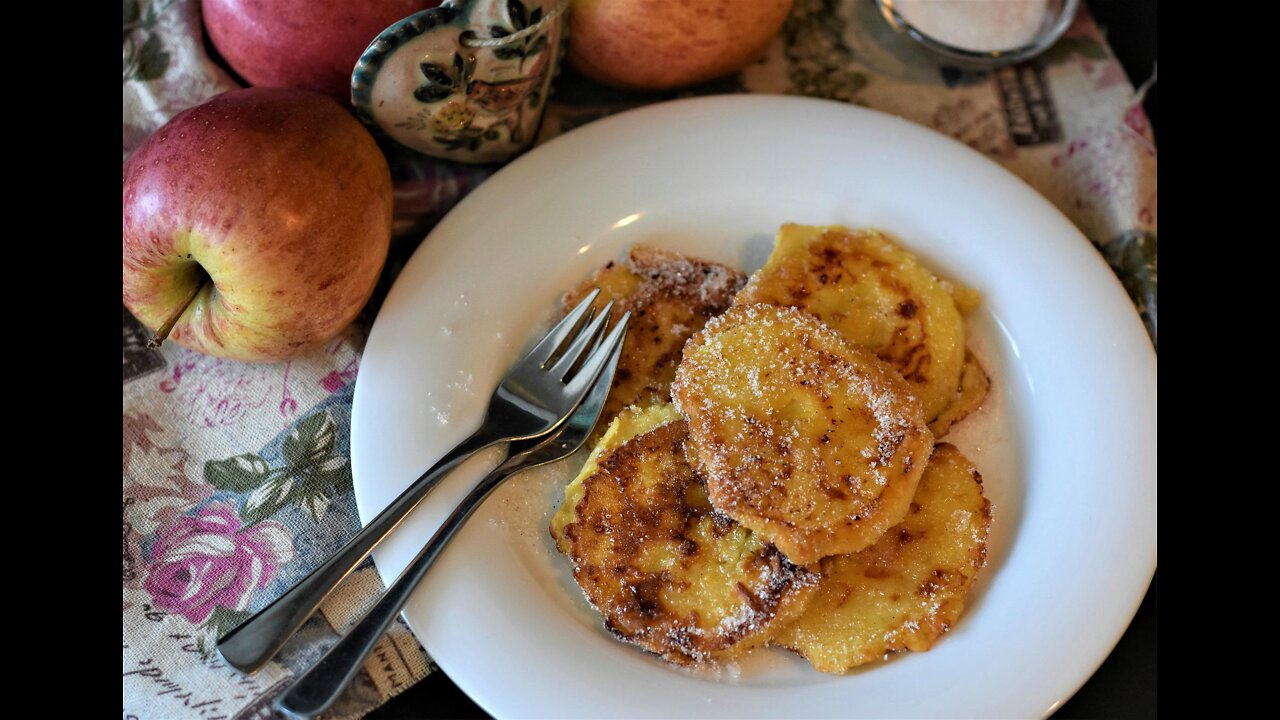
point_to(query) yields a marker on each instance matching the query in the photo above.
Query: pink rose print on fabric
(157, 491)
(208, 560)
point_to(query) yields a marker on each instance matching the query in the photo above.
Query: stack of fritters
(880, 298)
(769, 472)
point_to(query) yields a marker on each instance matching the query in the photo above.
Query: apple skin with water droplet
(276, 203)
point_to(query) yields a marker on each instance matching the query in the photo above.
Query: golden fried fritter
(670, 297)
(875, 294)
(909, 588)
(966, 298)
(666, 571)
(974, 385)
(806, 440)
(632, 421)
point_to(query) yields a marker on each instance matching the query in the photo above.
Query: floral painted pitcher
(465, 81)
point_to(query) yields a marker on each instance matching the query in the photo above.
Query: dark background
(1125, 685)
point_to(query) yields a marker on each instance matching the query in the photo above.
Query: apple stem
(155, 342)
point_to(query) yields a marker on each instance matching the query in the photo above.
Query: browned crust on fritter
(974, 386)
(670, 297)
(621, 518)
(812, 497)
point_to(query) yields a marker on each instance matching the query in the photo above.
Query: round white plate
(1066, 441)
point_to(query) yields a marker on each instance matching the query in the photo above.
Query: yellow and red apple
(272, 207)
(665, 44)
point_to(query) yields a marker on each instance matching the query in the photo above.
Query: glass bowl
(1058, 17)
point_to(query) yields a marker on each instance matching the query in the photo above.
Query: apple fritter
(666, 571)
(974, 385)
(875, 294)
(632, 421)
(670, 297)
(967, 299)
(907, 589)
(805, 439)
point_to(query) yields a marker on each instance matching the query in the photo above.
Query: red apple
(663, 44)
(308, 44)
(265, 213)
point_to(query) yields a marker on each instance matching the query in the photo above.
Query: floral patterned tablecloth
(236, 476)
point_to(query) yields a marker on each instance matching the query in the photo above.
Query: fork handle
(255, 641)
(325, 682)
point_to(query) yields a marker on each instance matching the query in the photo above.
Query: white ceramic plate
(1066, 442)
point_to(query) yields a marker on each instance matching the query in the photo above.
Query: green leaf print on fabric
(310, 477)
(240, 474)
(312, 440)
(145, 57)
(268, 499)
(821, 62)
(152, 59)
(1133, 257)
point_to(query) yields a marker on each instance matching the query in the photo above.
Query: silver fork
(325, 682)
(534, 398)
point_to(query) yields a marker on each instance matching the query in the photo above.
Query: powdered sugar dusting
(672, 272)
(778, 405)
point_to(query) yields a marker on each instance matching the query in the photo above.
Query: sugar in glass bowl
(981, 34)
